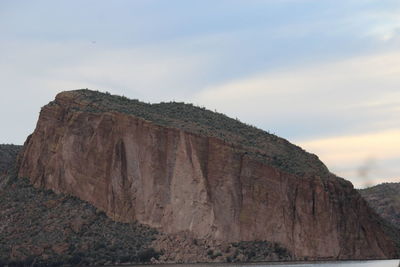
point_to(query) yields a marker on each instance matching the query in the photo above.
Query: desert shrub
(259, 250)
(250, 254)
(75, 259)
(147, 254)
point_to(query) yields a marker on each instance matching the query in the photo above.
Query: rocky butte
(181, 168)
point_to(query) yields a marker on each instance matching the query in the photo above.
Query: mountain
(200, 179)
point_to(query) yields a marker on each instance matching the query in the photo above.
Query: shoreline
(273, 263)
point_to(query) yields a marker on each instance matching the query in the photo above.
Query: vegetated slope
(8, 154)
(385, 200)
(40, 227)
(260, 144)
(158, 165)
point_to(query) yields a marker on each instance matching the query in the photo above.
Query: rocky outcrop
(175, 180)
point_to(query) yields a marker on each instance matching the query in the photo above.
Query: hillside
(385, 200)
(8, 154)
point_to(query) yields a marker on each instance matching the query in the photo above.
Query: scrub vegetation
(384, 199)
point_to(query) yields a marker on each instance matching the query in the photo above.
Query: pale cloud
(351, 149)
(378, 69)
(149, 69)
(364, 158)
(386, 26)
(32, 73)
(338, 90)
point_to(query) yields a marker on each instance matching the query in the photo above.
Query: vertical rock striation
(175, 180)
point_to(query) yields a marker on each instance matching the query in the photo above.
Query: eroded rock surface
(176, 180)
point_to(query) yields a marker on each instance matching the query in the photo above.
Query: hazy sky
(323, 74)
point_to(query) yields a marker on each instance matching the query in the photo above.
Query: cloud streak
(32, 76)
(357, 94)
(373, 153)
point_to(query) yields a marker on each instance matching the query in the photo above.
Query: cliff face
(174, 180)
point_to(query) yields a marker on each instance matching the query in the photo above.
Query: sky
(323, 74)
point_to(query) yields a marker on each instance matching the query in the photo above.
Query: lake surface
(378, 263)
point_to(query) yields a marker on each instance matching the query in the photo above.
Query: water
(377, 263)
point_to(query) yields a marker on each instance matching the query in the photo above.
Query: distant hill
(385, 200)
(8, 154)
